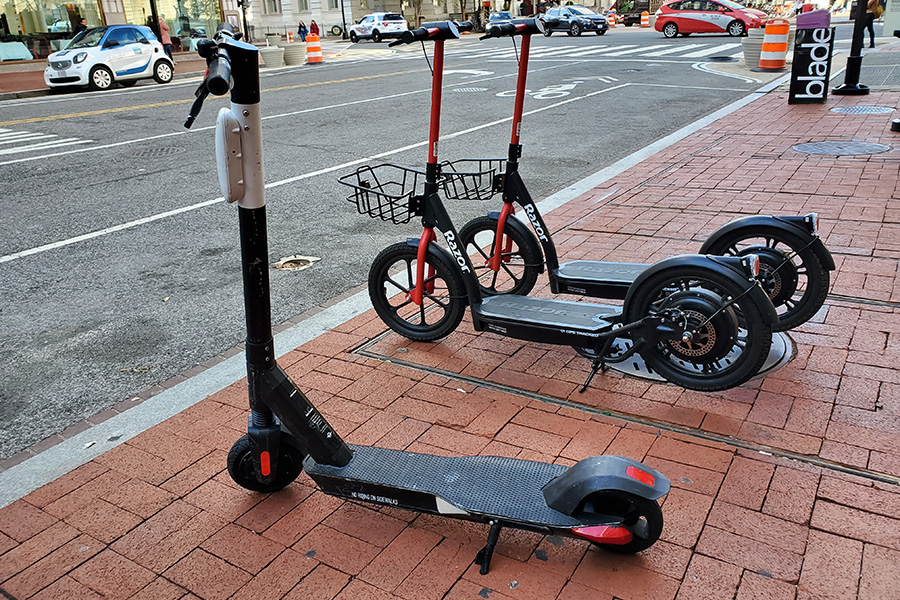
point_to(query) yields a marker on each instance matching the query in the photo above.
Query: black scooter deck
(583, 316)
(592, 271)
(484, 486)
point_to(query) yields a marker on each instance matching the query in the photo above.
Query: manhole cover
(862, 110)
(722, 59)
(156, 152)
(470, 90)
(296, 263)
(841, 148)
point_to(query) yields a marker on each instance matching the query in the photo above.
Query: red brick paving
(157, 517)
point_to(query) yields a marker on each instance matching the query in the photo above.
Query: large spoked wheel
(724, 339)
(242, 471)
(392, 279)
(162, 72)
(100, 78)
(670, 30)
(642, 517)
(575, 31)
(736, 28)
(791, 274)
(520, 261)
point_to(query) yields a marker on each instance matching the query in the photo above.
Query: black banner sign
(811, 69)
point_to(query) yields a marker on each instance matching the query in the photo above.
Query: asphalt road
(119, 269)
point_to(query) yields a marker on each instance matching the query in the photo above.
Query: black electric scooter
(607, 500)
(701, 322)
(794, 263)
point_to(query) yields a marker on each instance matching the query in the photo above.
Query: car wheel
(376, 36)
(575, 30)
(128, 84)
(736, 28)
(100, 78)
(547, 32)
(162, 71)
(353, 37)
(670, 30)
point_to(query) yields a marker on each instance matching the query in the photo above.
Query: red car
(706, 16)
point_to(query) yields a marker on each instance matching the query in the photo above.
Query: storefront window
(32, 29)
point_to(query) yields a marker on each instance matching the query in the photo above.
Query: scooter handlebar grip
(465, 26)
(218, 80)
(501, 30)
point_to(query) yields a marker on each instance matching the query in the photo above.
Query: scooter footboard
(567, 492)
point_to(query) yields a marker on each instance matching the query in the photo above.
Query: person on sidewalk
(870, 21)
(82, 26)
(164, 38)
(302, 31)
(313, 28)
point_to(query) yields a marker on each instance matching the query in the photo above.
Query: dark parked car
(574, 19)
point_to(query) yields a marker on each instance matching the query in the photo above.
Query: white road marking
(675, 49)
(713, 50)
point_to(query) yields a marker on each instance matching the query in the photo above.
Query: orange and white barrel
(313, 50)
(645, 19)
(611, 19)
(775, 45)
(290, 37)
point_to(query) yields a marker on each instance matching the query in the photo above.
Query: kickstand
(485, 554)
(597, 364)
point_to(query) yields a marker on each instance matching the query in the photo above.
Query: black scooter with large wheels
(607, 500)
(701, 322)
(794, 263)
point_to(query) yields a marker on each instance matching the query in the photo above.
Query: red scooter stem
(520, 90)
(437, 80)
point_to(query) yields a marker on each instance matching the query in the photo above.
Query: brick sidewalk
(785, 488)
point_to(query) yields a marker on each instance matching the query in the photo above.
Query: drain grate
(841, 148)
(862, 110)
(470, 90)
(722, 59)
(156, 152)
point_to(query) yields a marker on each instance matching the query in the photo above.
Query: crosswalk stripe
(708, 51)
(25, 137)
(636, 50)
(599, 50)
(675, 49)
(45, 145)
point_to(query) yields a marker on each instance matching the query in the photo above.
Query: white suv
(378, 26)
(103, 56)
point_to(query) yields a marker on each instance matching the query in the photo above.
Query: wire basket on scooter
(472, 178)
(385, 191)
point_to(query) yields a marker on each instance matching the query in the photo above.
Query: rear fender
(798, 226)
(731, 267)
(566, 493)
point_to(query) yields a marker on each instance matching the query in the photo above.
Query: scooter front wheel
(726, 337)
(391, 282)
(520, 257)
(243, 472)
(641, 516)
(791, 273)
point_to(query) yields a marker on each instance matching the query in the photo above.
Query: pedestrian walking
(164, 38)
(313, 28)
(302, 31)
(870, 21)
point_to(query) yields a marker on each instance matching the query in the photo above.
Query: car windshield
(500, 15)
(88, 38)
(392, 17)
(731, 4)
(582, 10)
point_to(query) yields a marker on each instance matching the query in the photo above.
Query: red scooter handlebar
(520, 27)
(439, 30)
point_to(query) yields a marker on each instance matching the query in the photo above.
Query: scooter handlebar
(519, 27)
(439, 30)
(218, 78)
(465, 26)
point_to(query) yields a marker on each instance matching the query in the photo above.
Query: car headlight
(80, 57)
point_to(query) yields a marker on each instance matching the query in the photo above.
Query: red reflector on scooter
(604, 534)
(265, 467)
(641, 476)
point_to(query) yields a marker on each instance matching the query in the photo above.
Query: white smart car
(102, 56)
(378, 26)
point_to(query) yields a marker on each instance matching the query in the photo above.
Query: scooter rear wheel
(243, 472)
(642, 517)
(729, 339)
(392, 279)
(519, 268)
(790, 273)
